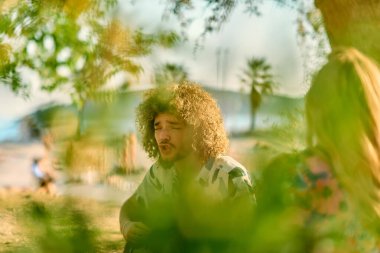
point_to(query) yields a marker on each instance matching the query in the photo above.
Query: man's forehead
(170, 117)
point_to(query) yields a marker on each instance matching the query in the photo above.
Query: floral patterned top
(326, 209)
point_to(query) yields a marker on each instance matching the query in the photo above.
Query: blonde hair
(343, 117)
(195, 106)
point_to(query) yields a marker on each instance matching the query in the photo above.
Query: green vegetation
(75, 48)
(35, 223)
(170, 73)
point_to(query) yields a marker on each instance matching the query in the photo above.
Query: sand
(16, 174)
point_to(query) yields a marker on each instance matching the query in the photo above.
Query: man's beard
(168, 163)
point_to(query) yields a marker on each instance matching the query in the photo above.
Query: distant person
(44, 177)
(42, 168)
(130, 152)
(182, 128)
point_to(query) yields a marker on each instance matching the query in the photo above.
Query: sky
(272, 36)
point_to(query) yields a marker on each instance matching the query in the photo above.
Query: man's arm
(131, 221)
(132, 214)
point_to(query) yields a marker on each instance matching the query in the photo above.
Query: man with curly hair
(182, 128)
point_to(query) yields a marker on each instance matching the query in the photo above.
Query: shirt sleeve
(240, 185)
(133, 208)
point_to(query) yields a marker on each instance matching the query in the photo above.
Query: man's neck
(189, 165)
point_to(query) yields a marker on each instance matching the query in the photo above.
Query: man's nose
(164, 134)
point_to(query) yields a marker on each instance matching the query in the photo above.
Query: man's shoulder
(234, 175)
(229, 169)
(228, 164)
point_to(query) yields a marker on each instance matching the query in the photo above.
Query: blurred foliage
(57, 224)
(311, 34)
(51, 115)
(48, 234)
(286, 217)
(283, 220)
(191, 221)
(220, 11)
(89, 154)
(309, 20)
(75, 46)
(170, 73)
(287, 135)
(46, 36)
(98, 149)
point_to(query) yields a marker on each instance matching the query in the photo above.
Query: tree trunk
(352, 23)
(255, 99)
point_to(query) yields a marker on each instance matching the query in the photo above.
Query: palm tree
(258, 76)
(170, 73)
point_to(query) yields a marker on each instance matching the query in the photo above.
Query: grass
(33, 222)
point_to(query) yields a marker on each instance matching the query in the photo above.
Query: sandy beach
(16, 162)
(16, 173)
(18, 187)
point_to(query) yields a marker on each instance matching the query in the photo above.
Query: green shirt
(221, 180)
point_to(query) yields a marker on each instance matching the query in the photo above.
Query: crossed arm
(131, 226)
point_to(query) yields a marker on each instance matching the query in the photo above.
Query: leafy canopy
(72, 45)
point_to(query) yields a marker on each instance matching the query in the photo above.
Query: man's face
(173, 137)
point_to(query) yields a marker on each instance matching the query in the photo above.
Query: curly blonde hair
(187, 101)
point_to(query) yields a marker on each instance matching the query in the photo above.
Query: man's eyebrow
(174, 122)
